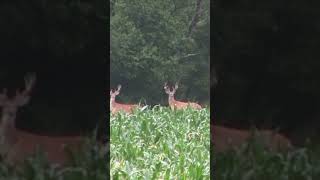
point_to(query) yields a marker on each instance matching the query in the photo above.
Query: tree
(151, 44)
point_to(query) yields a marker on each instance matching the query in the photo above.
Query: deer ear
(165, 86)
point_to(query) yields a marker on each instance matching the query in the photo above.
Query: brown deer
(225, 139)
(117, 107)
(174, 104)
(21, 144)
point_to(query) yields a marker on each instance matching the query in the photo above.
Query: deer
(20, 144)
(174, 104)
(225, 139)
(117, 107)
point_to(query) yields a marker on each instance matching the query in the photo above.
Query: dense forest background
(65, 44)
(153, 42)
(266, 66)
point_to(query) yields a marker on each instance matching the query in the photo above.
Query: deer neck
(112, 99)
(171, 99)
(7, 127)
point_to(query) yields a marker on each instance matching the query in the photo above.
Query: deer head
(113, 94)
(169, 91)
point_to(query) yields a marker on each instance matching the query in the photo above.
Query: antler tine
(22, 98)
(119, 87)
(29, 81)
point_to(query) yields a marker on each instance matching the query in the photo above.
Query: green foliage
(149, 45)
(160, 144)
(251, 162)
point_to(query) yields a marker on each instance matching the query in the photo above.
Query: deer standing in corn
(117, 107)
(174, 104)
(21, 144)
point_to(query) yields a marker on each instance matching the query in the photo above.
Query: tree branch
(196, 17)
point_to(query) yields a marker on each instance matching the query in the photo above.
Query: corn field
(159, 143)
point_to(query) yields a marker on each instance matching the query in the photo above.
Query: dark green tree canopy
(153, 42)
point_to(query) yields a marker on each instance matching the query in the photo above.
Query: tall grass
(159, 143)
